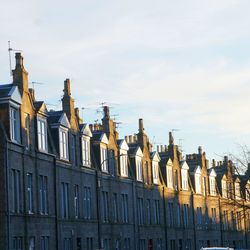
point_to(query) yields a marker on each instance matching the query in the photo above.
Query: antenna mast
(9, 50)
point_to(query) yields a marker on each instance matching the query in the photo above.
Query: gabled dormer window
(184, 179)
(198, 183)
(139, 176)
(14, 124)
(42, 134)
(212, 186)
(155, 172)
(184, 175)
(86, 151)
(237, 191)
(155, 167)
(86, 135)
(248, 194)
(124, 163)
(224, 188)
(169, 174)
(212, 183)
(104, 158)
(63, 143)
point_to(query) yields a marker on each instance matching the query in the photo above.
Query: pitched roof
(5, 90)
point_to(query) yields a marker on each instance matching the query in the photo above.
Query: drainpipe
(7, 192)
(165, 217)
(57, 214)
(193, 215)
(98, 210)
(221, 229)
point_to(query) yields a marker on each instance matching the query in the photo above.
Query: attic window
(42, 134)
(198, 183)
(155, 172)
(63, 143)
(85, 151)
(14, 124)
(124, 163)
(184, 179)
(139, 168)
(237, 191)
(212, 186)
(104, 159)
(224, 188)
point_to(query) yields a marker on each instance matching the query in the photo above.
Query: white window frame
(169, 176)
(155, 166)
(104, 158)
(42, 138)
(184, 179)
(212, 186)
(124, 163)
(247, 194)
(224, 188)
(139, 174)
(63, 143)
(237, 191)
(197, 183)
(86, 161)
(14, 124)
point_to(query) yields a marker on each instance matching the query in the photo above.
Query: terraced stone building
(68, 185)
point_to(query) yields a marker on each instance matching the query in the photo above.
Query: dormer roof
(100, 136)
(10, 92)
(58, 118)
(155, 156)
(85, 130)
(122, 144)
(212, 173)
(184, 165)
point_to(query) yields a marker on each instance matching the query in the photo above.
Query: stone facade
(69, 185)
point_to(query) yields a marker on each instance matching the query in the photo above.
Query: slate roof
(54, 116)
(38, 105)
(97, 135)
(5, 90)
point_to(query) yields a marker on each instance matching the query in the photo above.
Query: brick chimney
(20, 75)
(68, 105)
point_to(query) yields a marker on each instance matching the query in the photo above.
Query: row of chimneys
(131, 138)
(162, 148)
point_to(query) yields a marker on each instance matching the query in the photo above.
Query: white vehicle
(216, 248)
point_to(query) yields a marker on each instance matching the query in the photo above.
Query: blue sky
(177, 64)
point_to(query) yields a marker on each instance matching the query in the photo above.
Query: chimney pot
(131, 139)
(126, 138)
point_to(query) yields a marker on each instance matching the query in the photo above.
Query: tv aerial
(10, 50)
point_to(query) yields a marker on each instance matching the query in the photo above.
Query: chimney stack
(200, 150)
(171, 139)
(141, 127)
(32, 94)
(19, 60)
(106, 111)
(67, 87)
